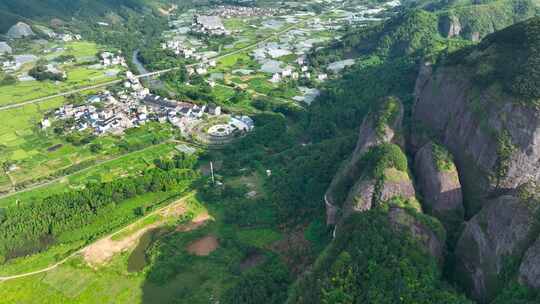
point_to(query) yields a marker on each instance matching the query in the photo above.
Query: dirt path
(104, 249)
(90, 247)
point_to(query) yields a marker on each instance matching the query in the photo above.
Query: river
(151, 83)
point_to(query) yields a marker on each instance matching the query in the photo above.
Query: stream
(151, 82)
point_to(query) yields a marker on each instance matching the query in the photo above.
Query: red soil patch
(203, 246)
(196, 223)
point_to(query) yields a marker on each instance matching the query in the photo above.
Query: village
(271, 63)
(134, 105)
(269, 50)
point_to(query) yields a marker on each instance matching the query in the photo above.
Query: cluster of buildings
(108, 59)
(65, 37)
(130, 107)
(225, 132)
(300, 71)
(231, 11)
(209, 25)
(107, 112)
(14, 63)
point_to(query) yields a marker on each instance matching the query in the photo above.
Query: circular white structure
(221, 130)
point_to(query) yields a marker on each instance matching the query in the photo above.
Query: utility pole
(212, 172)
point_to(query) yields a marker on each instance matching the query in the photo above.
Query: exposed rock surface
(441, 189)
(445, 105)
(433, 243)
(5, 48)
(529, 271)
(450, 26)
(396, 184)
(20, 30)
(502, 231)
(368, 137)
(363, 194)
(360, 197)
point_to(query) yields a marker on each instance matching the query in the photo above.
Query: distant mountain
(12, 12)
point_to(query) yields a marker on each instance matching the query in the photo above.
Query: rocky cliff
(20, 30)
(492, 242)
(494, 138)
(529, 271)
(428, 231)
(438, 182)
(381, 126)
(482, 105)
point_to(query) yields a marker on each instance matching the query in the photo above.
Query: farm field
(122, 166)
(38, 154)
(79, 75)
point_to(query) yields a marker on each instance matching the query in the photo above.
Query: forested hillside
(497, 66)
(474, 20)
(44, 11)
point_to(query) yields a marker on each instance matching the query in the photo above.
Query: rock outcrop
(20, 30)
(529, 271)
(448, 104)
(500, 233)
(394, 185)
(5, 48)
(449, 26)
(374, 131)
(438, 182)
(427, 230)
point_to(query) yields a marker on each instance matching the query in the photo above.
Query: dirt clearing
(196, 223)
(104, 249)
(203, 246)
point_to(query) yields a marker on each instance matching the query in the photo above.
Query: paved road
(55, 265)
(151, 74)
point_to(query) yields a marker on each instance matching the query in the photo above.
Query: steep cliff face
(529, 271)
(494, 138)
(438, 182)
(482, 104)
(380, 127)
(491, 241)
(367, 193)
(450, 26)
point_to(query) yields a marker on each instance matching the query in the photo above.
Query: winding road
(64, 260)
